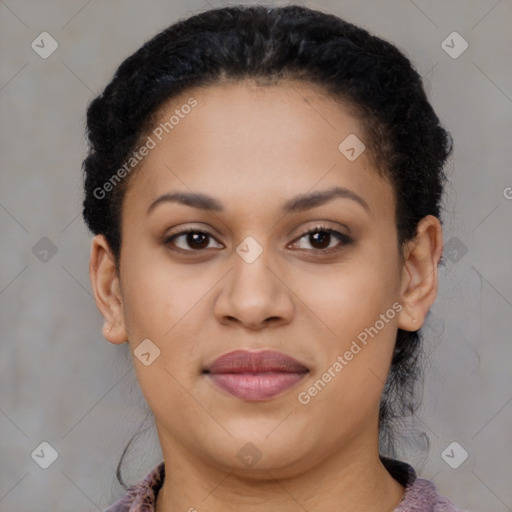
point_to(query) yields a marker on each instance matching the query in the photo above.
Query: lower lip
(256, 386)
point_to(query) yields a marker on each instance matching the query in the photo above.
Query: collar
(420, 495)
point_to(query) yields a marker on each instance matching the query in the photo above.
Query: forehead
(253, 142)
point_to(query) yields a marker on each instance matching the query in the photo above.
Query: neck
(350, 480)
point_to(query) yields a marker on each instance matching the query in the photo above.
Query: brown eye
(321, 239)
(190, 240)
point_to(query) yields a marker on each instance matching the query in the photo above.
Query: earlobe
(107, 294)
(420, 276)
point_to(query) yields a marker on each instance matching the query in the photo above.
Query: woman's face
(251, 279)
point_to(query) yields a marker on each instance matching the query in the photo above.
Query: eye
(191, 240)
(320, 238)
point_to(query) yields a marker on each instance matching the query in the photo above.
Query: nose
(255, 294)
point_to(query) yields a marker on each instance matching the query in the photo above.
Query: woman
(264, 187)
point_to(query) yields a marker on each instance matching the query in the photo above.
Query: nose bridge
(252, 262)
(253, 293)
(251, 274)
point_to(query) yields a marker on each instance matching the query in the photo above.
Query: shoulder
(420, 494)
(141, 497)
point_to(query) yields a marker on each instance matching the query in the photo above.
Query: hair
(403, 134)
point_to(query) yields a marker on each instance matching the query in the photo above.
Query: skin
(253, 148)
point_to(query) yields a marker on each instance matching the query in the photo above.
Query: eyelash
(345, 239)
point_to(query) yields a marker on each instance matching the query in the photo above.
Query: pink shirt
(420, 494)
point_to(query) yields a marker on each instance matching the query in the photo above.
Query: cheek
(355, 305)
(147, 307)
(167, 307)
(157, 308)
(155, 296)
(351, 296)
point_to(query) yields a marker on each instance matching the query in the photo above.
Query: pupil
(193, 238)
(322, 238)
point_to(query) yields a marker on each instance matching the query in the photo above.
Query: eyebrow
(299, 203)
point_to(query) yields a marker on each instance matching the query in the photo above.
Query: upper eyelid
(320, 224)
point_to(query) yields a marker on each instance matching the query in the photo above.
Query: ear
(419, 274)
(107, 291)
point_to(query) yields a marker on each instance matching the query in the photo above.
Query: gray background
(62, 383)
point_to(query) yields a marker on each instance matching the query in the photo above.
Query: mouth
(255, 376)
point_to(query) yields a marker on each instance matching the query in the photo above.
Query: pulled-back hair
(402, 132)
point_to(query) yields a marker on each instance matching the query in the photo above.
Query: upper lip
(244, 361)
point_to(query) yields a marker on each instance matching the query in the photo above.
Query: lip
(255, 376)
